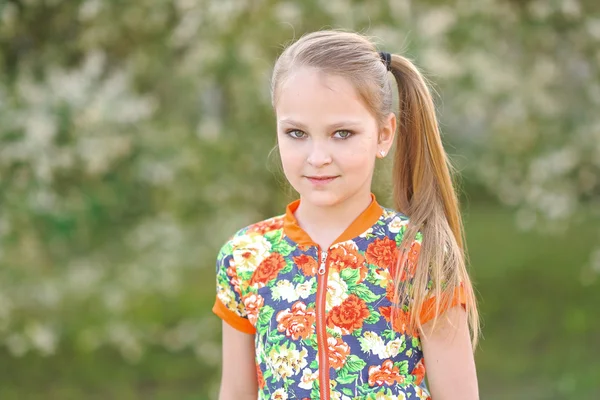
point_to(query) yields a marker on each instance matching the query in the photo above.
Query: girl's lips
(320, 180)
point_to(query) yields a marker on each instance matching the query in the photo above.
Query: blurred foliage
(135, 136)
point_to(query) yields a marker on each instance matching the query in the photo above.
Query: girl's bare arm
(449, 359)
(238, 378)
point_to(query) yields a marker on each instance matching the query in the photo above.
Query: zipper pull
(322, 266)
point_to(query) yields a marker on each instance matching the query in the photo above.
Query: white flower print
(249, 251)
(392, 348)
(383, 396)
(286, 362)
(372, 342)
(303, 289)
(279, 394)
(285, 290)
(337, 290)
(308, 377)
(397, 224)
(338, 396)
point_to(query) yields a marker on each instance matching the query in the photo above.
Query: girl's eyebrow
(337, 125)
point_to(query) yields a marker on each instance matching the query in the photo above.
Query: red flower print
(260, 378)
(252, 303)
(268, 269)
(235, 279)
(338, 351)
(419, 371)
(349, 315)
(389, 291)
(410, 265)
(401, 319)
(345, 256)
(385, 373)
(383, 253)
(266, 226)
(297, 323)
(307, 264)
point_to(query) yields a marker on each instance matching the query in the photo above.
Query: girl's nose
(319, 155)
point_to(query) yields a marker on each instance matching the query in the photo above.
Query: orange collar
(363, 222)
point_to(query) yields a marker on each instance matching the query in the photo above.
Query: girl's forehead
(309, 91)
(307, 80)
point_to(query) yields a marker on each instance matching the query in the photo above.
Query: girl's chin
(320, 198)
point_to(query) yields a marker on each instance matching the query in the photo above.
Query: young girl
(339, 297)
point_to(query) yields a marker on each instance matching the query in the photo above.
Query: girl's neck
(325, 224)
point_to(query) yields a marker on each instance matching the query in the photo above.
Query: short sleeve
(428, 311)
(228, 303)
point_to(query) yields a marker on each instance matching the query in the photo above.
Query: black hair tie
(386, 58)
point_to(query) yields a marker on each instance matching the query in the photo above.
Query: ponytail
(423, 189)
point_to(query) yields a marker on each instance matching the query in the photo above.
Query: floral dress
(321, 317)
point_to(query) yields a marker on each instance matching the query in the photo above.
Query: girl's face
(327, 138)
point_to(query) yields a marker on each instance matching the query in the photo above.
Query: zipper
(322, 347)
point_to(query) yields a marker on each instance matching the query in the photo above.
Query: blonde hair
(423, 187)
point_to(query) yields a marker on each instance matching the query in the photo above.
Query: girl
(341, 298)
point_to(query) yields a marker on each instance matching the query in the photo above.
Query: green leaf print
(371, 277)
(299, 278)
(287, 269)
(357, 332)
(314, 364)
(346, 379)
(244, 275)
(350, 276)
(415, 342)
(347, 392)
(419, 236)
(399, 236)
(353, 364)
(264, 317)
(275, 337)
(274, 237)
(283, 248)
(311, 341)
(364, 293)
(314, 393)
(331, 332)
(402, 366)
(388, 334)
(363, 389)
(374, 316)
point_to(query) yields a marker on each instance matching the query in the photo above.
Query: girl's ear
(386, 135)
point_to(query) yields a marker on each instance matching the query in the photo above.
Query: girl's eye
(295, 134)
(342, 134)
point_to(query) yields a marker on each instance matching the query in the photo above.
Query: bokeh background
(136, 136)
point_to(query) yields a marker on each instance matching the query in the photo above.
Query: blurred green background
(135, 137)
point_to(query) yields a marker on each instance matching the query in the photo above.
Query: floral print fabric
(268, 285)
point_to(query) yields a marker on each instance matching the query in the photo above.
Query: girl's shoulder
(252, 235)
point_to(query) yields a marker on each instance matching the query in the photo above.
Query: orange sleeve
(240, 323)
(428, 309)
